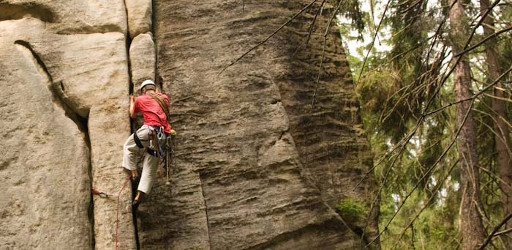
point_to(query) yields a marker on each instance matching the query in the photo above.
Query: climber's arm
(132, 107)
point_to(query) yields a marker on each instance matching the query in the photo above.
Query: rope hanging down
(119, 195)
(105, 195)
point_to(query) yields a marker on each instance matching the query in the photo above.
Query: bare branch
(489, 238)
(484, 40)
(498, 98)
(503, 232)
(310, 31)
(479, 23)
(493, 175)
(373, 40)
(454, 139)
(436, 190)
(496, 81)
(270, 36)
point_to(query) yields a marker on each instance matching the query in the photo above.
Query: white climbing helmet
(146, 82)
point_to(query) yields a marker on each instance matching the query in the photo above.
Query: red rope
(118, 196)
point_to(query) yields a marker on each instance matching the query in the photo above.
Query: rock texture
(64, 77)
(264, 152)
(139, 17)
(142, 59)
(45, 161)
(318, 94)
(258, 166)
(70, 16)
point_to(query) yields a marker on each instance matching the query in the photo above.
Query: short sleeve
(167, 100)
(136, 105)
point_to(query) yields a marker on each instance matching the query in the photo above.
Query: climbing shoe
(135, 204)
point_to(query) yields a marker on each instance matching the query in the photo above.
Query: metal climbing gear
(101, 194)
(105, 195)
(168, 141)
(163, 147)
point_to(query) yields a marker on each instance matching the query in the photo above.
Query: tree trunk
(501, 137)
(471, 221)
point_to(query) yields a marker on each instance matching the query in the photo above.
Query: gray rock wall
(258, 167)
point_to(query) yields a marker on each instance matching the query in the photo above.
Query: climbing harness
(137, 140)
(157, 140)
(161, 145)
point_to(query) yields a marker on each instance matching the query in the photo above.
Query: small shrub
(351, 210)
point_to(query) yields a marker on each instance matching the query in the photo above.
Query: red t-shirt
(151, 111)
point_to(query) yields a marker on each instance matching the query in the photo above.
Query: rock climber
(155, 125)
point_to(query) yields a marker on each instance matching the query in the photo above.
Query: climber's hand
(135, 174)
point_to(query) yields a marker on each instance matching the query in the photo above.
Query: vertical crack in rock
(128, 43)
(83, 125)
(201, 178)
(158, 79)
(91, 204)
(81, 122)
(132, 124)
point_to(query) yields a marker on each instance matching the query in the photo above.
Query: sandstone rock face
(139, 16)
(70, 16)
(65, 75)
(44, 167)
(264, 151)
(142, 59)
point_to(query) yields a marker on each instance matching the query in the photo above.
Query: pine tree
(471, 205)
(501, 130)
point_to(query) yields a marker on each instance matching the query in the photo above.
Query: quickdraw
(101, 194)
(166, 143)
(105, 195)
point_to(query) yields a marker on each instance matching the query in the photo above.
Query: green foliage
(434, 228)
(420, 175)
(352, 10)
(352, 210)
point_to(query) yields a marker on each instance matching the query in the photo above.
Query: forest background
(434, 82)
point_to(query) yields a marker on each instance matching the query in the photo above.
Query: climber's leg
(150, 166)
(131, 149)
